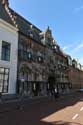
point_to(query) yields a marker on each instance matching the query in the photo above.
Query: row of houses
(31, 58)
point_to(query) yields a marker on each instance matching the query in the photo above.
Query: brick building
(75, 74)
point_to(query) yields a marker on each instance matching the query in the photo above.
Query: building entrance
(51, 85)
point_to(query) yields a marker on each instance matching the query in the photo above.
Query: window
(5, 51)
(40, 59)
(4, 79)
(29, 55)
(24, 52)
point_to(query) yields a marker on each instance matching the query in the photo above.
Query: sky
(64, 17)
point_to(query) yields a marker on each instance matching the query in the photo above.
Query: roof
(24, 26)
(4, 15)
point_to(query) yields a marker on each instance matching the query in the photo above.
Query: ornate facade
(40, 58)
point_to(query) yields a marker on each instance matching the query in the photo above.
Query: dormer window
(74, 63)
(31, 35)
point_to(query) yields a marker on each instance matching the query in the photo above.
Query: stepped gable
(4, 15)
(24, 26)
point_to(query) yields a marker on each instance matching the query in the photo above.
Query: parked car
(81, 90)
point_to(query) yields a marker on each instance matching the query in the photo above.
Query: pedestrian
(0, 97)
(56, 94)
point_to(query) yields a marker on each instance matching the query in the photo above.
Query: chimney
(5, 2)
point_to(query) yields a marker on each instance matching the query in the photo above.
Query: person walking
(0, 97)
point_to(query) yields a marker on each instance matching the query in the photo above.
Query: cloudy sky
(65, 18)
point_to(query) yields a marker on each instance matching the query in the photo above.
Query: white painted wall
(9, 34)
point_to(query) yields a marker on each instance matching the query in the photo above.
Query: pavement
(66, 110)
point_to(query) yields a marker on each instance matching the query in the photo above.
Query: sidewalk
(9, 104)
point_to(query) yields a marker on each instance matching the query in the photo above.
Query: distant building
(75, 74)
